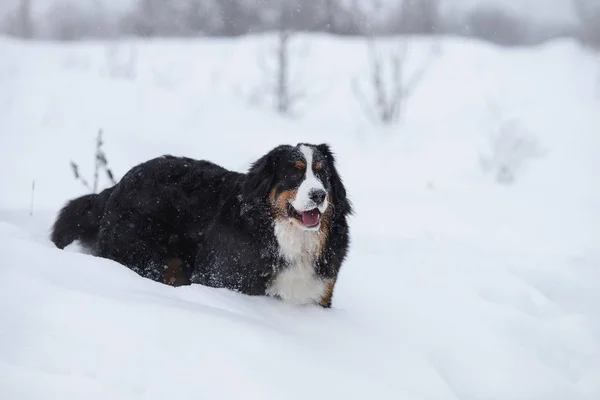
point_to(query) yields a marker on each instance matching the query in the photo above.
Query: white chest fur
(298, 283)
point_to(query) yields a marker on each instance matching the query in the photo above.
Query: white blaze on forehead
(302, 202)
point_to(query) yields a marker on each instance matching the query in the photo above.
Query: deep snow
(456, 287)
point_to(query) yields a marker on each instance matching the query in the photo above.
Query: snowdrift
(458, 285)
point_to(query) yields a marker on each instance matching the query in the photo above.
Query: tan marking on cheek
(300, 165)
(325, 224)
(279, 203)
(318, 166)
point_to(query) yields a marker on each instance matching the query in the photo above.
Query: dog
(280, 229)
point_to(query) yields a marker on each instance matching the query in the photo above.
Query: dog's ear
(261, 176)
(340, 198)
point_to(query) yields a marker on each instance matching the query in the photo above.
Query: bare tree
(342, 18)
(284, 97)
(158, 18)
(497, 26)
(417, 17)
(389, 83)
(70, 21)
(201, 16)
(19, 22)
(25, 21)
(279, 84)
(390, 86)
(588, 13)
(236, 17)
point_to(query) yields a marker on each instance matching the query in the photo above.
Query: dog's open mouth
(308, 218)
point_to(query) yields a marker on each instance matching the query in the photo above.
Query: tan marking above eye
(300, 165)
(318, 166)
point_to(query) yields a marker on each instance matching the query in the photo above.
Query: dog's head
(301, 183)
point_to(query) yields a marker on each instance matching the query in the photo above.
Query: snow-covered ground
(456, 287)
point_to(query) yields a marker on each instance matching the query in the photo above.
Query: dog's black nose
(317, 195)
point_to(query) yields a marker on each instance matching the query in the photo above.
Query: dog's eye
(295, 170)
(318, 166)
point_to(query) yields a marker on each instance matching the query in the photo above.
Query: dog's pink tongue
(310, 218)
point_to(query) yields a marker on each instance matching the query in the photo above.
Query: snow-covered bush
(511, 149)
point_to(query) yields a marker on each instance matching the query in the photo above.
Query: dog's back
(154, 216)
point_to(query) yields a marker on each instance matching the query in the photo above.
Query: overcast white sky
(539, 10)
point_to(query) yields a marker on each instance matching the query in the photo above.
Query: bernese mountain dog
(280, 229)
